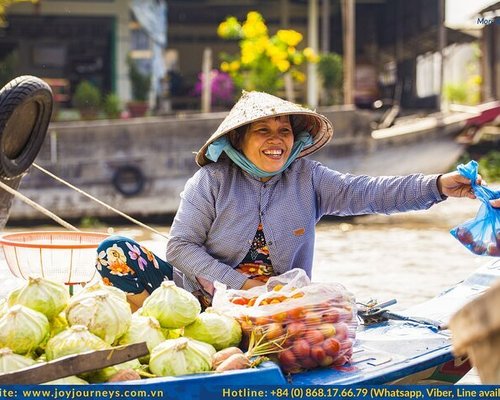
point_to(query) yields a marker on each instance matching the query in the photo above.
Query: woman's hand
(453, 184)
(495, 203)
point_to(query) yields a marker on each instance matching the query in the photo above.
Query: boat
(414, 349)
(412, 346)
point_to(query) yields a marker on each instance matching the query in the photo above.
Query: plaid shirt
(221, 207)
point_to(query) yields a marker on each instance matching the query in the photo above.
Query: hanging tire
(128, 180)
(25, 110)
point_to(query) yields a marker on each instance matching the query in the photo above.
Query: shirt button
(264, 186)
(270, 243)
(262, 213)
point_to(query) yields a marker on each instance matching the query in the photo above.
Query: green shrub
(456, 93)
(330, 70)
(140, 82)
(87, 99)
(489, 166)
(112, 106)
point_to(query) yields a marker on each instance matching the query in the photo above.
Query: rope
(38, 207)
(111, 208)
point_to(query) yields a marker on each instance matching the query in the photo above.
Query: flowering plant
(222, 87)
(263, 60)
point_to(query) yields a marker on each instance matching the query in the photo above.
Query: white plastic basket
(66, 257)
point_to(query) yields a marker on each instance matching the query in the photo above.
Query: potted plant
(112, 106)
(140, 84)
(330, 70)
(87, 100)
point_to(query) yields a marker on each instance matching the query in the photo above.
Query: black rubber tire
(128, 180)
(25, 110)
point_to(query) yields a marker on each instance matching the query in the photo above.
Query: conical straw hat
(254, 106)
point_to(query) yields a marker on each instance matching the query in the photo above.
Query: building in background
(396, 41)
(489, 20)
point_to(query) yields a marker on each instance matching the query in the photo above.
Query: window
(428, 74)
(49, 55)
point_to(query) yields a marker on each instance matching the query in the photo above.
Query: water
(410, 257)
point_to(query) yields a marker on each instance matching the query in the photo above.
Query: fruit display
(305, 325)
(479, 239)
(480, 235)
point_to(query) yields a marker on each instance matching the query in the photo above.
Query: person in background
(250, 211)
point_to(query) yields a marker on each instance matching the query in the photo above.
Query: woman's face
(268, 143)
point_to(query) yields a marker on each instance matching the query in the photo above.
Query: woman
(250, 211)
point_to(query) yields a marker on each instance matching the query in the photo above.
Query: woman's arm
(192, 223)
(346, 194)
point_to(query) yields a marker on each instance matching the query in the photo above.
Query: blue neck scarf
(223, 144)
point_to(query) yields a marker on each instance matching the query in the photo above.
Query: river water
(410, 257)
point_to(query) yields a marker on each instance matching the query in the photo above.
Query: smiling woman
(268, 143)
(250, 211)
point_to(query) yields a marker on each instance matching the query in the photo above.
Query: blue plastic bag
(481, 235)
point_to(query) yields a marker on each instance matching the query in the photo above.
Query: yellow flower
(476, 79)
(310, 55)
(234, 66)
(224, 66)
(223, 29)
(262, 43)
(298, 58)
(289, 36)
(283, 65)
(254, 16)
(253, 30)
(229, 29)
(298, 76)
(247, 55)
(250, 51)
(275, 53)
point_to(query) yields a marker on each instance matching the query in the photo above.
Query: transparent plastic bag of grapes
(480, 235)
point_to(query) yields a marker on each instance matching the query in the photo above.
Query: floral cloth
(257, 264)
(127, 265)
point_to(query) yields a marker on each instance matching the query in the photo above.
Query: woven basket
(66, 257)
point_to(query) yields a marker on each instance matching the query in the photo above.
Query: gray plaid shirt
(221, 207)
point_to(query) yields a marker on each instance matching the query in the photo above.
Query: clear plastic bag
(304, 325)
(481, 235)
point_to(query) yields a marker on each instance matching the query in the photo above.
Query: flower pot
(137, 108)
(88, 113)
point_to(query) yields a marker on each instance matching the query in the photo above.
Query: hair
(299, 123)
